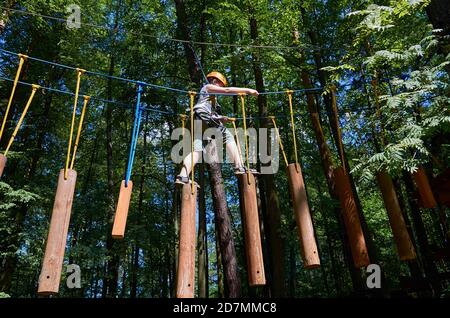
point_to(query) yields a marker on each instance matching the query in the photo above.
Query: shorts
(209, 122)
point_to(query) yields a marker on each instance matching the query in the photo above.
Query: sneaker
(242, 170)
(179, 180)
(239, 170)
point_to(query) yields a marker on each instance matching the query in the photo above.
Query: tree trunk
(268, 192)
(219, 266)
(227, 249)
(112, 268)
(184, 31)
(438, 12)
(226, 242)
(430, 268)
(202, 239)
(333, 118)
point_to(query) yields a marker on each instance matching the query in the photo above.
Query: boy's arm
(230, 90)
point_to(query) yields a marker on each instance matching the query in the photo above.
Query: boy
(207, 111)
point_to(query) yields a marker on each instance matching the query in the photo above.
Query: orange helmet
(218, 76)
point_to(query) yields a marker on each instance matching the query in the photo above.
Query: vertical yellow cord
(289, 93)
(338, 129)
(80, 125)
(19, 123)
(279, 140)
(245, 136)
(16, 79)
(233, 121)
(192, 96)
(77, 90)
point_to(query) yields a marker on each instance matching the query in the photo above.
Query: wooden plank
(57, 235)
(427, 198)
(351, 219)
(186, 255)
(405, 247)
(305, 228)
(2, 164)
(123, 204)
(253, 248)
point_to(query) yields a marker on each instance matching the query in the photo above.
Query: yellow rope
(338, 129)
(192, 96)
(19, 123)
(289, 93)
(279, 140)
(77, 90)
(16, 79)
(245, 135)
(233, 121)
(80, 125)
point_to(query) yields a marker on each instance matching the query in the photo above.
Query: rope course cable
(135, 134)
(168, 113)
(294, 138)
(80, 126)
(244, 121)
(72, 125)
(156, 86)
(233, 121)
(279, 140)
(11, 97)
(19, 123)
(162, 38)
(191, 105)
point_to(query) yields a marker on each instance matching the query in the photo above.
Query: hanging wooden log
(57, 235)
(2, 164)
(351, 219)
(303, 219)
(186, 255)
(441, 187)
(427, 199)
(123, 204)
(405, 247)
(253, 248)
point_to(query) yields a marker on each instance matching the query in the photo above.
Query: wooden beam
(351, 219)
(303, 218)
(253, 248)
(123, 204)
(2, 164)
(57, 235)
(405, 247)
(186, 255)
(423, 186)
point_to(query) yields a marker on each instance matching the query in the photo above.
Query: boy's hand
(225, 119)
(253, 92)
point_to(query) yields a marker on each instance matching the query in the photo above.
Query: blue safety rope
(135, 134)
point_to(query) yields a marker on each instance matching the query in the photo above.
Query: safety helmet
(218, 76)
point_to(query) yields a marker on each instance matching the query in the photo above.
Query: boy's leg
(187, 163)
(233, 150)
